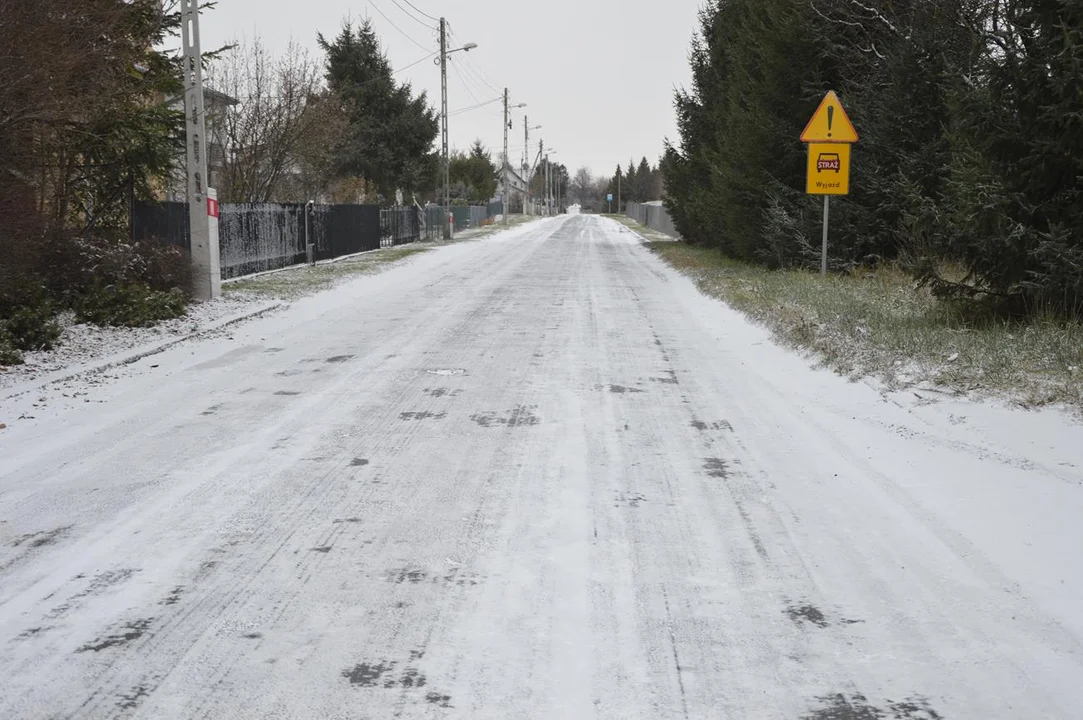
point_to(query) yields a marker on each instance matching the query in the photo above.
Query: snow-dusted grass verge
(878, 324)
(297, 282)
(302, 280)
(83, 345)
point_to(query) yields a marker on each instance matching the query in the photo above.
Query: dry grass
(879, 324)
(297, 282)
(303, 280)
(491, 227)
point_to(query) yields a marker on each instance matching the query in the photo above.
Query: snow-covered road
(535, 476)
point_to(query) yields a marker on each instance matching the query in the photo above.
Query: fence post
(310, 247)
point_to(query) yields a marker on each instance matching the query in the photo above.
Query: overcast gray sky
(598, 75)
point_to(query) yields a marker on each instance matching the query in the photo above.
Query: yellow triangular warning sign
(830, 124)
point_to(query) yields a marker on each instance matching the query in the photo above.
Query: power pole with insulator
(507, 126)
(206, 272)
(507, 162)
(443, 134)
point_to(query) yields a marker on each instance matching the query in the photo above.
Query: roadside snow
(83, 344)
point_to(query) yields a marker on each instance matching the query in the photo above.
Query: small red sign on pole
(212, 207)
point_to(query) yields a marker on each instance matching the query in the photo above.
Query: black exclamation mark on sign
(830, 119)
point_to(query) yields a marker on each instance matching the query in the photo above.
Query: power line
(474, 68)
(278, 96)
(479, 81)
(403, 33)
(415, 7)
(474, 107)
(462, 80)
(412, 16)
(414, 64)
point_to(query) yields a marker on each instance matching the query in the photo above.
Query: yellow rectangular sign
(828, 169)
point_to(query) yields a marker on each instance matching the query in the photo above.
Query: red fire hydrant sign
(212, 207)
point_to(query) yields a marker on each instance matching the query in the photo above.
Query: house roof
(515, 179)
(210, 95)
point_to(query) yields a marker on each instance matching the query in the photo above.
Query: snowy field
(534, 476)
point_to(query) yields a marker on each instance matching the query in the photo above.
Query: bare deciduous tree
(262, 134)
(582, 187)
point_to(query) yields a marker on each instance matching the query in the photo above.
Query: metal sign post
(206, 273)
(827, 215)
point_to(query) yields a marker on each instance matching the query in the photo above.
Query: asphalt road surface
(535, 476)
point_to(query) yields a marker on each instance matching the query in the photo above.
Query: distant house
(516, 191)
(216, 106)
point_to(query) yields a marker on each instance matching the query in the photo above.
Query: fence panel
(399, 226)
(353, 229)
(268, 236)
(478, 215)
(165, 222)
(461, 213)
(260, 236)
(652, 215)
(434, 223)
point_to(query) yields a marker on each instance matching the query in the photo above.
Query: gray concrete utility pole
(443, 134)
(548, 188)
(526, 147)
(526, 151)
(206, 271)
(541, 159)
(444, 52)
(507, 125)
(507, 162)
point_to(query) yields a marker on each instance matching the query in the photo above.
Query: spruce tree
(390, 132)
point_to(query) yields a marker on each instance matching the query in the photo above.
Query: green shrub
(32, 327)
(9, 354)
(78, 265)
(130, 305)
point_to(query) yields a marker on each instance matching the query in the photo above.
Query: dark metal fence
(399, 225)
(267, 236)
(469, 216)
(256, 237)
(340, 230)
(165, 222)
(434, 223)
(478, 215)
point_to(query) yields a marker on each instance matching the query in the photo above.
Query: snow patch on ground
(83, 344)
